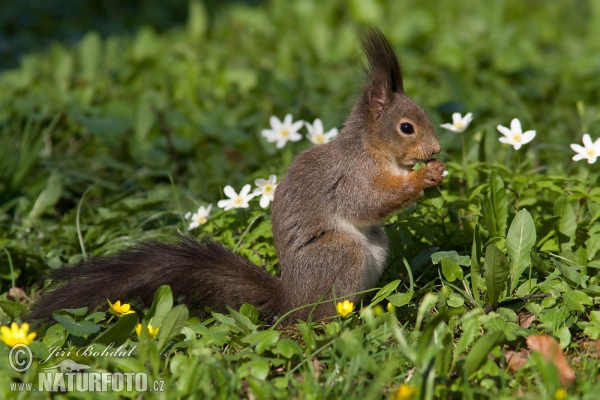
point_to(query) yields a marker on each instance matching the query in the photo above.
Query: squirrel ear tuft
(383, 72)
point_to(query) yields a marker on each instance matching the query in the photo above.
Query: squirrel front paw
(433, 173)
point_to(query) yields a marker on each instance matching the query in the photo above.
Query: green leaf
(48, 197)
(118, 333)
(476, 255)
(385, 291)
(520, 240)
(460, 260)
(250, 312)
(434, 196)
(495, 274)
(262, 340)
(400, 299)
(12, 308)
(576, 299)
(161, 305)
(451, 270)
(55, 336)
(571, 274)
(480, 350)
(567, 225)
(82, 328)
(288, 348)
(172, 324)
(499, 203)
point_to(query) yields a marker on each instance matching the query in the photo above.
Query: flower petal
(333, 132)
(468, 118)
(587, 140)
(309, 128)
(578, 157)
(245, 190)
(264, 201)
(527, 137)
(504, 140)
(229, 192)
(275, 123)
(268, 134)
(577, 148)
(505, 131)
(450, 127)
(515, 125)
(592, 160)
(287, 121)
(456, 118)
(296, 126)
(318, 126)
(261, 182)
(517, 145)
(225, 204)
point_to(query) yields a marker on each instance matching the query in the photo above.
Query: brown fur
(327, 212)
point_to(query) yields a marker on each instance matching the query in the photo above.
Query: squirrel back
(326, 216)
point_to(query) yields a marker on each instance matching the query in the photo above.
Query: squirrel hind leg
(338, 261)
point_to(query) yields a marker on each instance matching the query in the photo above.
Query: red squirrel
(326, 215)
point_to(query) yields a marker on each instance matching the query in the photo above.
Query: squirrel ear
(383, 71)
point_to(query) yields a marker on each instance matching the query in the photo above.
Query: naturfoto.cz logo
(71, 376)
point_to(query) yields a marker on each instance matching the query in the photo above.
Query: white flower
(266, 189)
(515, 136)
(281, 132)
(236, 200)
(591, 151)
(198, 218)
(459, 124)
(445, 173)
(316, 134)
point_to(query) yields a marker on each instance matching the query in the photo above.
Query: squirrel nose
(436, 149)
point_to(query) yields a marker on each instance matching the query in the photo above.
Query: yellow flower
(561, 394)
(390, 307)
(118, 309)
(15, 334)
(406, 392)
(150, 331)
(345, 308)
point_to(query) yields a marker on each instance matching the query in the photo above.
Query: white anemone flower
(236, 200)
(316, 132)
(459, 124)
(590, 150)
(199, 217)
(266, 190)
(515, 136)
(281, 132)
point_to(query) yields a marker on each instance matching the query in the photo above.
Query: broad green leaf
(434, 195)
(118, 333)
(571, 274)
(48, 197)
(567, 225)
(520, 240)
(172, 324)
(385, 291)
(476, 255)
(499, 203)
(263, 340)
(249, 311)
(451, 270)
(288, 348)
(400, 299)
(76, 328)
(161, 305)
(480, 350)
(495, 274)
(55, 336)
(460, 260)
(576, 299)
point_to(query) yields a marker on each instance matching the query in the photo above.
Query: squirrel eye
(407, 128)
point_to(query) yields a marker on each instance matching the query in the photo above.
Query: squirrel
(326, 214)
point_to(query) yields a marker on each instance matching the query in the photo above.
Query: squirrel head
(395, 125)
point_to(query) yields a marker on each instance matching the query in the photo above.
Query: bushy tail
(200, 274)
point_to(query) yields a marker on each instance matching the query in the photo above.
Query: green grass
(115, 138)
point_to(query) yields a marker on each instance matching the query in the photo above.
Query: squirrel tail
(200, 274)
